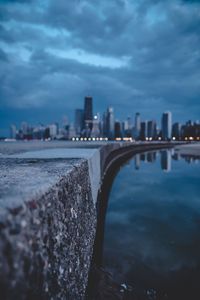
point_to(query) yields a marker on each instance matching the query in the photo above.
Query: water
(152, 228)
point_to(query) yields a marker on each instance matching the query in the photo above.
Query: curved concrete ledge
(49, 216)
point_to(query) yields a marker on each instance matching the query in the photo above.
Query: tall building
(110, 123)
(137, 125)
(151, 129)
(79, 122)
(96, 126)
(130, 127)
(176, 130)
(13, 131)
(24, 128)
(72, 132)
(88, 112)
(166, 125)
(53, 130)
(118, 133)
(143, 132)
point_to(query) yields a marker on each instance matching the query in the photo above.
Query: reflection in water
(137, 161)
(152, 225)
(166, 157)
(165, 161)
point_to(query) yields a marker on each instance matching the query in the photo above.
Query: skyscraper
(95, 129)
(110, 122)
(151, 129)
(118, 133)
(79, 114)
(176, 130)
(13, 131)
(166, 125)
(137, 125)
(143, 133)
(88, 112)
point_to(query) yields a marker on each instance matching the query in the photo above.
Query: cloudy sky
(136, 55)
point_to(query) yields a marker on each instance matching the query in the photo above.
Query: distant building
(129, 127)
(176, 130)
(13, 131)
(110, 123)
(151, 129)
(88, 112)
(137, 125)
(79, 121)
(143, 132)
(190, 130)
(118, 133)
(166, 125)
(24, 128)
(53, 131)
(39, 132)
(72, 132)
(96, 126)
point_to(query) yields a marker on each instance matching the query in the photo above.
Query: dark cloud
(3, 56)
(14, 1)
(141, 55)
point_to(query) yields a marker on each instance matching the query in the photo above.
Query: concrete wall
(46, 242)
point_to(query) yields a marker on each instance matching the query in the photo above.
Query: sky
(134, 55)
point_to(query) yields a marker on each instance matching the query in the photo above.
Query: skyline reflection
(166, 159)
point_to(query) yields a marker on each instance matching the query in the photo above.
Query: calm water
(152, 230)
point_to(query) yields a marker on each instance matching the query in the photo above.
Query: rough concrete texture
(46, 241)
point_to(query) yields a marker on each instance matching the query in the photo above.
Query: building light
(191, 138)
(150, 139)
(93, 139)
(89, 139)
(106, 139)
(159, 138)
(85, 139)
(73, 139)
(101, 139)
(186, 138)
(173, 138)
(147, 139)
(77, 139)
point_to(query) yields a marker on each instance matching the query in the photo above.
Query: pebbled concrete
(47, 221)
(46, 239)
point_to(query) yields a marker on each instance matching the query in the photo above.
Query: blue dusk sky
(135, 55)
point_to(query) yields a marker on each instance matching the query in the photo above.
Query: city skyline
(88, 124)
(134, 56)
